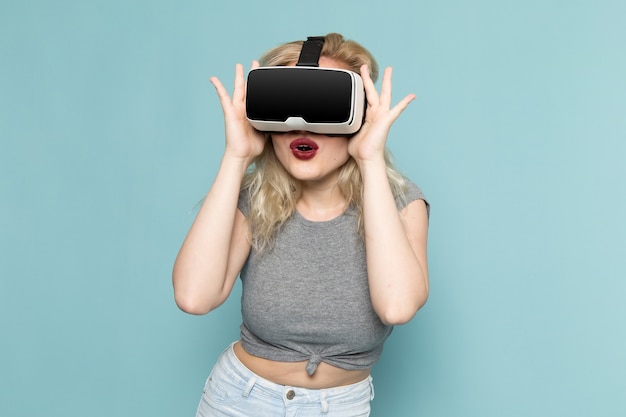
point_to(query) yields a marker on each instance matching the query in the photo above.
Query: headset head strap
(310, 53)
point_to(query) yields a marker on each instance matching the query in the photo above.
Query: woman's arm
(216, 246)
(395, 243)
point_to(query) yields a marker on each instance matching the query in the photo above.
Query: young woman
(329, 241)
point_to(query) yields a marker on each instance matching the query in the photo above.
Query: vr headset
(305, 97)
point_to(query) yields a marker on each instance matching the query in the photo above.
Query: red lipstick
(303, 148)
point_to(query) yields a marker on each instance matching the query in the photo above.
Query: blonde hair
(273, 192)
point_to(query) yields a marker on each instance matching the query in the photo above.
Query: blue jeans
(233, 390)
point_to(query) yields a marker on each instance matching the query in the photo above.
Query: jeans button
(290, 394)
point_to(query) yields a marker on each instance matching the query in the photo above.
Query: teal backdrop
(111, 134)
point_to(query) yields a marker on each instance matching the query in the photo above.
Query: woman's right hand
(216, 246)
(242, 140)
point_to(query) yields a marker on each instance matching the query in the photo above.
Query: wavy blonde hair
(273, 192)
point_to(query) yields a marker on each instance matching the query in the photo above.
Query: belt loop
(323, 401)
(371, 387)
(249, 386)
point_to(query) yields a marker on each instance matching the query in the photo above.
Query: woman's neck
(321, 203)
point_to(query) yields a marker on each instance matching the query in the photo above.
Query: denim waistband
(248, 380)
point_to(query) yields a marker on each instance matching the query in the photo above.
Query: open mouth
(303, 148)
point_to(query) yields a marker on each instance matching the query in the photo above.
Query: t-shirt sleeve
(244, 201)
(413, 193)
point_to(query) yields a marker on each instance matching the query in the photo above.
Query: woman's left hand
(368, 144)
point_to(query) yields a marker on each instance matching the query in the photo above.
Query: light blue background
(111, 133)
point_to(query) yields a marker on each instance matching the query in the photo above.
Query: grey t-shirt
(307, 298)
